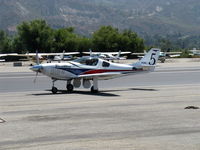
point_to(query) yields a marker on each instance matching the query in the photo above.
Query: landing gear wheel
(93, 90)
(54, 90)
(70, 87)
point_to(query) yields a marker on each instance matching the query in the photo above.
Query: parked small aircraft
(86, 69)
(43, 56)
(108, 55)
(2, 56)
(194, 52)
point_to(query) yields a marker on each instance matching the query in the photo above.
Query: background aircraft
(87, 69)
(3, 56)
(43, 56)
(194, 52)
(108, 55)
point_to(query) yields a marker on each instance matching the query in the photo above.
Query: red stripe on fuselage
(106, 70)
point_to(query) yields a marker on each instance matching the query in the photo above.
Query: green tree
(5, 43)
(35, 35)
(84, 44)
(65, 39)
(108, 38)
(133, 43)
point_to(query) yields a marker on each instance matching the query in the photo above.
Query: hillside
(142, 16)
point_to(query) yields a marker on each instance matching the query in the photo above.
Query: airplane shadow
(100, 93)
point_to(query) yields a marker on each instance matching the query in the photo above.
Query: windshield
(87, 61)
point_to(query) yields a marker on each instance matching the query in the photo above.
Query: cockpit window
(105, 64)
(87, 61)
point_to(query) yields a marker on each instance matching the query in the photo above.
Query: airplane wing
(172, 53)
(103, 76)
(103, 53)
(92, 53)
(115, 53)
(138, 54)
(43, 54)
(2, 55)
(10, 54)
(71, 53)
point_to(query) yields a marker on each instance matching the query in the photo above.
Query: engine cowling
(86, 84)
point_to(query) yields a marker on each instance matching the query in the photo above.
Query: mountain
(142, 16)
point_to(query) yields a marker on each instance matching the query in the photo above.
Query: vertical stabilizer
(149, 60)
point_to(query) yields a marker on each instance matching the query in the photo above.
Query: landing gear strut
(94, 88)
(54, 90)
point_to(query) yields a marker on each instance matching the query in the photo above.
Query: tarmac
(131, 113)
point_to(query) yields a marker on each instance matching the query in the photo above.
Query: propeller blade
(34, 81)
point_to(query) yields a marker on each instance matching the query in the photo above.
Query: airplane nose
(36, 68)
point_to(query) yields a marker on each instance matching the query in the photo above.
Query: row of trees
(38, 35)
(176, 41)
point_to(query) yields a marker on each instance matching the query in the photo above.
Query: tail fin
(149, 60)
(62, 55)
(90, 52)
(118, 55)
(37, 58)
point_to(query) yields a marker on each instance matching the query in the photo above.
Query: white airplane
(194, 52)
(107, 55)
(86, 69)
(62, 56)
(5, 55)
(43, 56)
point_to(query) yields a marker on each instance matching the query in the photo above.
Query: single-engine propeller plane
(87, 69)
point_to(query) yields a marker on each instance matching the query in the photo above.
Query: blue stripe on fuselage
(74, 70)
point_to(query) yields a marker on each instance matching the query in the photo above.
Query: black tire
(70, 87)
(54, 90)
(94, 91)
